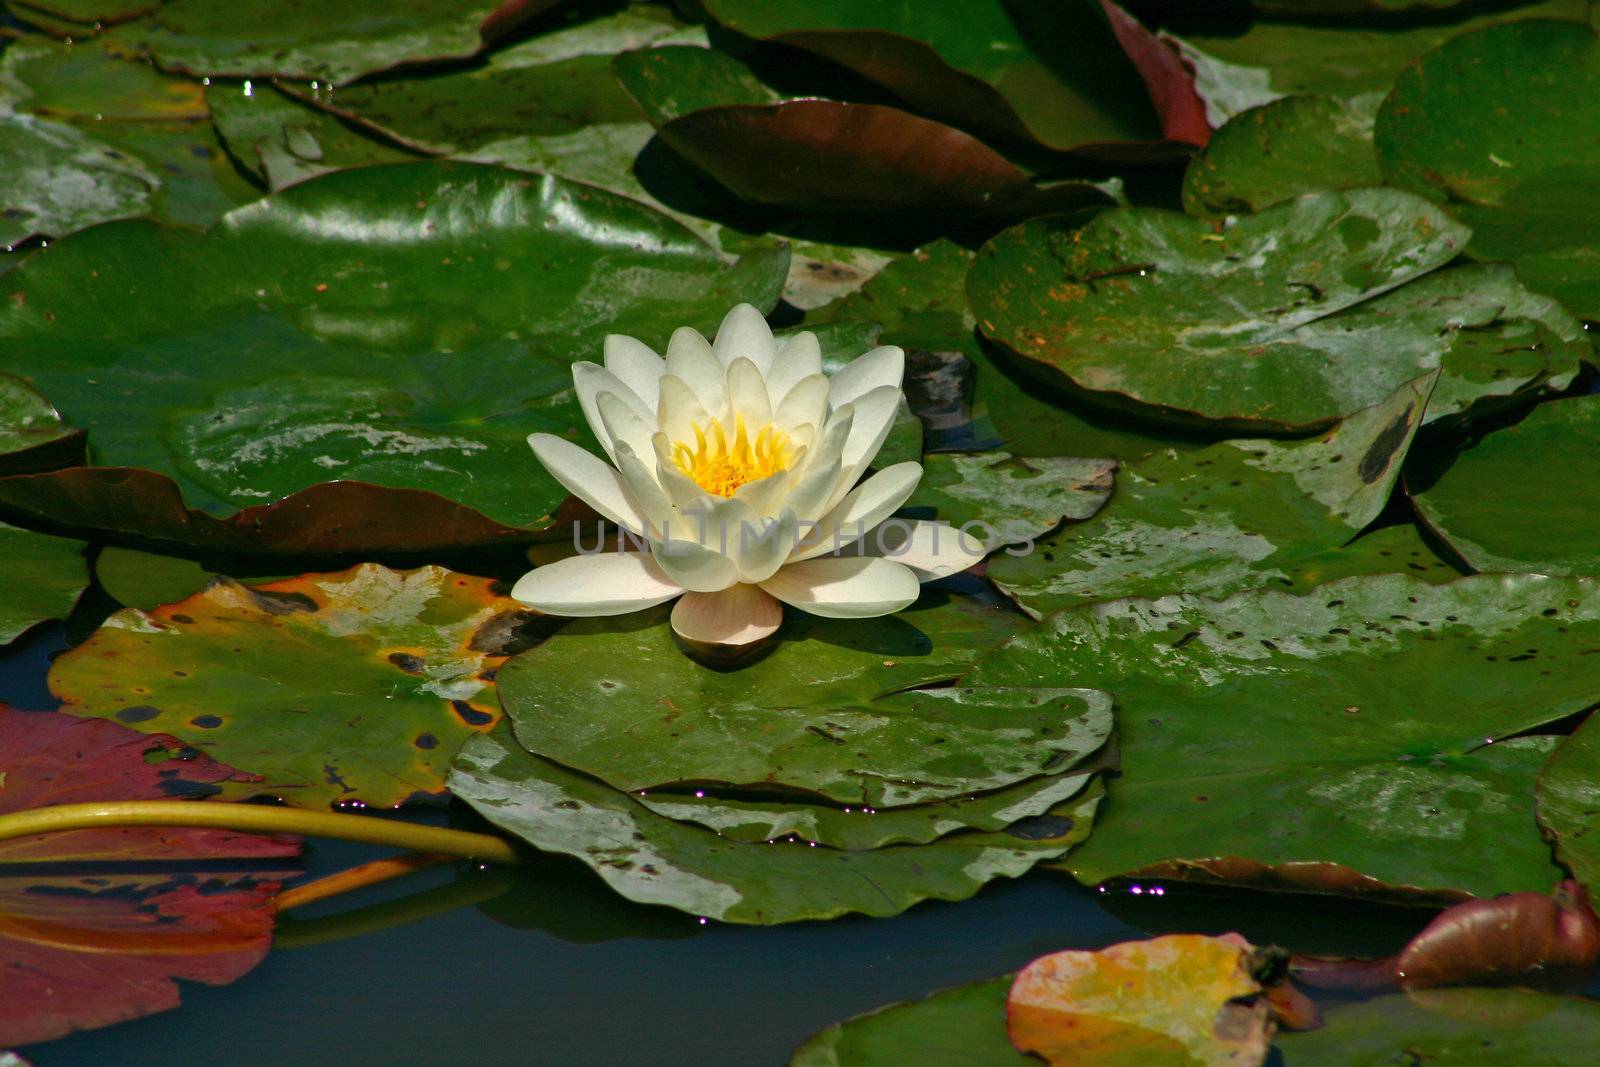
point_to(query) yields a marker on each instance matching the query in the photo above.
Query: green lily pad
(284, 141)
(330, 40)
(1398, 549)
(965, 1025)
(1569, 800)
(41, 578)
(1237, 515)
(858, 828)
(1496, 124)
(1241, 320)
(1010, 500)
(398, 328)
(1459, 1027)
(981, 64)
(1501, 504)
(349, 687)
(658, 861)
(32, 433)
(1278, 151)
(58, 179)
(1267, 736)
(145, 580)
(618, 700)
(94, 12)
(813, 153)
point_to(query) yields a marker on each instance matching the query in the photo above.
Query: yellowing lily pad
(356, 686)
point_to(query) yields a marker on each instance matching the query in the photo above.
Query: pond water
(460, 963)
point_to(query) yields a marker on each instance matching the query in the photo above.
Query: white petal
(689, 356)
(642, 486)
(766, 545)
(823, 466)
(799, 356)
(745, 333)
(874, 417)
(747, 396)
(805, 404)
(736, 617)
(878, 368)
(591, 379)
(607, 583)
(693, 566)
(636, 365)
(837, 587)
(680, 409)
(765, 495)
(622, 426)
(861, 510)
(681, 490)
(588, 478)
(931, 549)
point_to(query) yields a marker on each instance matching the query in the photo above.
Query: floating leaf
(826, 154)
(41, 578)
(1009, 499)
(32, 433)
(58, 180)
(1568, 799)
(1502, 505)
(1240, 320)
(1276, 152)
(399, 328)
(1275, 737)
(333, 40)
(356, 686)
(1237, 515)
(145, 580)
(1516, 937)
(981, 65)
(1180, 999)
(283, 141)
(657, 861)
(963, 1025)
(1496, 123)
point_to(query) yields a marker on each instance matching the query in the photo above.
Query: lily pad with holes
(357, 686)
(1286, 319)
(1497, 125)
(374, 345)
(1237, 515)
(1507, 502)
(41, 578)
(658, 861)
(964, 1025)
(1352, 737)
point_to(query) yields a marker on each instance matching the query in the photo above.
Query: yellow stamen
(721, 468)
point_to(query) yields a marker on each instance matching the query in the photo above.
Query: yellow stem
(261, 819)
(356, 878)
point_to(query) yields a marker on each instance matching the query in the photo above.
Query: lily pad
(1237, 515)
(357, 686)
(1569, 801)
(145, 580)
(331, 40)
(1278, 151)
(618, 700)
(1285, 319)
(1351, 737)
(399, 328)
(980, 65)
(1495, 123)
(284, 141)
(41, 578)
(826, 154)
(1179, 999)
(1011, 500)
(658, 861)
(1461, 1027)
(963, 1025)
(1501, 504)
(32, 433)
(58, 180)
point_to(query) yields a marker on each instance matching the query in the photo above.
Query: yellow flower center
(721, 467)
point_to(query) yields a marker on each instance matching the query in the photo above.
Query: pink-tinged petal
(636, 366)
(729, 621)
(606, 583)
(744, 333)
(845, 587)
(589, 478)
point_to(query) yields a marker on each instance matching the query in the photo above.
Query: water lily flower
(734, 471)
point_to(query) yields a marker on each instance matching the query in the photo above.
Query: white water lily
(735, 466)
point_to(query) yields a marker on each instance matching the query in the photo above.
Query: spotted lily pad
(1501, 504)
(964, 1025)
(58, 179)
(1288, 318)
(1009, 500)
(1497, 124)
(1237, 515)
(41, 578)
(357, 686)
(1350, 738)
(658, 861)
(400, 329)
